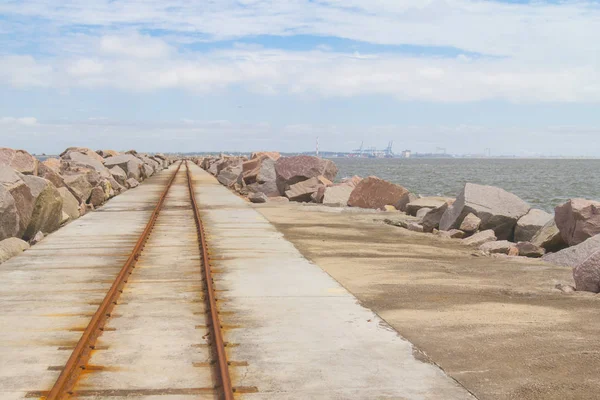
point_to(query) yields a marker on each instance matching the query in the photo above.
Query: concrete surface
(295, 332)
(49, 293)
(497, 326)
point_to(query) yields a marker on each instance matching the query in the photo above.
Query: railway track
(157, 332)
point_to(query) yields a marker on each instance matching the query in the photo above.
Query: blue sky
(520, 77)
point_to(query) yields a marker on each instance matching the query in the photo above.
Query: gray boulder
(498, 209)
(528, 249)
(549, 237)
(9, 216)
(21, 194)
(11, 247)
(480, 238)
(132, 183)
(118, 174)
(88, 161)
(70, 204)
(79, 186)
(432, 219)
(426, 202)
(47, 210)
(422, 212)
(470, 224)
(574, 255)
(128, 163)
(258, 197)
(578, 220)
(587, 274)
(529, 224)
(406, 199)
(497, 247)
(230, 175)
(337, 195)
(302, 191)
(261, 178)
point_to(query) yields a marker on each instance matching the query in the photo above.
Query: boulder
(97, 197)
(128, 163)
(118, 174)
(470, 224)
(373, 192)
(47, 210)
(38, 237)
(302, 191)
(317, 197)
(578, 220)
(337, 195)
(405, 200)
(451, 234)
(262, 177)
(116, 187)
(132, 183)
(79, 186)
(21, 194)
(107, 153)
(431, 220)
(422, 212)
(549, 237)
(70, 205)
(258, 198)
(426, 202)
(9, 215)
(230, 175)
(575, 255)
(51, 175)
(11, 247)
(52, 163)
(352, 182)
(87, 161)
(498, 209)
(480, 238)
(19, 160)
(497, 247)
(529, 224)
(230, 162)
(147, 171)
(291, 170)
(528, 249)
(81, 150)
(587, 273)
(273, 155)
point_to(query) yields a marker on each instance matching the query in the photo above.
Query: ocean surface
(543, 183)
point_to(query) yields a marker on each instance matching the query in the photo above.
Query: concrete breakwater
(497, 222)
(38, 197)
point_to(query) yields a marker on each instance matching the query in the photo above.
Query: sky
(519, 77)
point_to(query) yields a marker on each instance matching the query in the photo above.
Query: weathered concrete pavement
(302, 334)
(293, 331)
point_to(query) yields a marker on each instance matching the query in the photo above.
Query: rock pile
(490, 218)
(37, 197)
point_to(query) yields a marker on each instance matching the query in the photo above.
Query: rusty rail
(227, 389)
(81, 354)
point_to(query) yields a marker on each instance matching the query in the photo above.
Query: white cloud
(23, 121)
(543, 52)
(327, 74)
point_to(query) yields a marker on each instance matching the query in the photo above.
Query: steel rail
(62, 388)
(215, 324)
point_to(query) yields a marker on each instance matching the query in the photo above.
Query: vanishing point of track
(77, 363)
